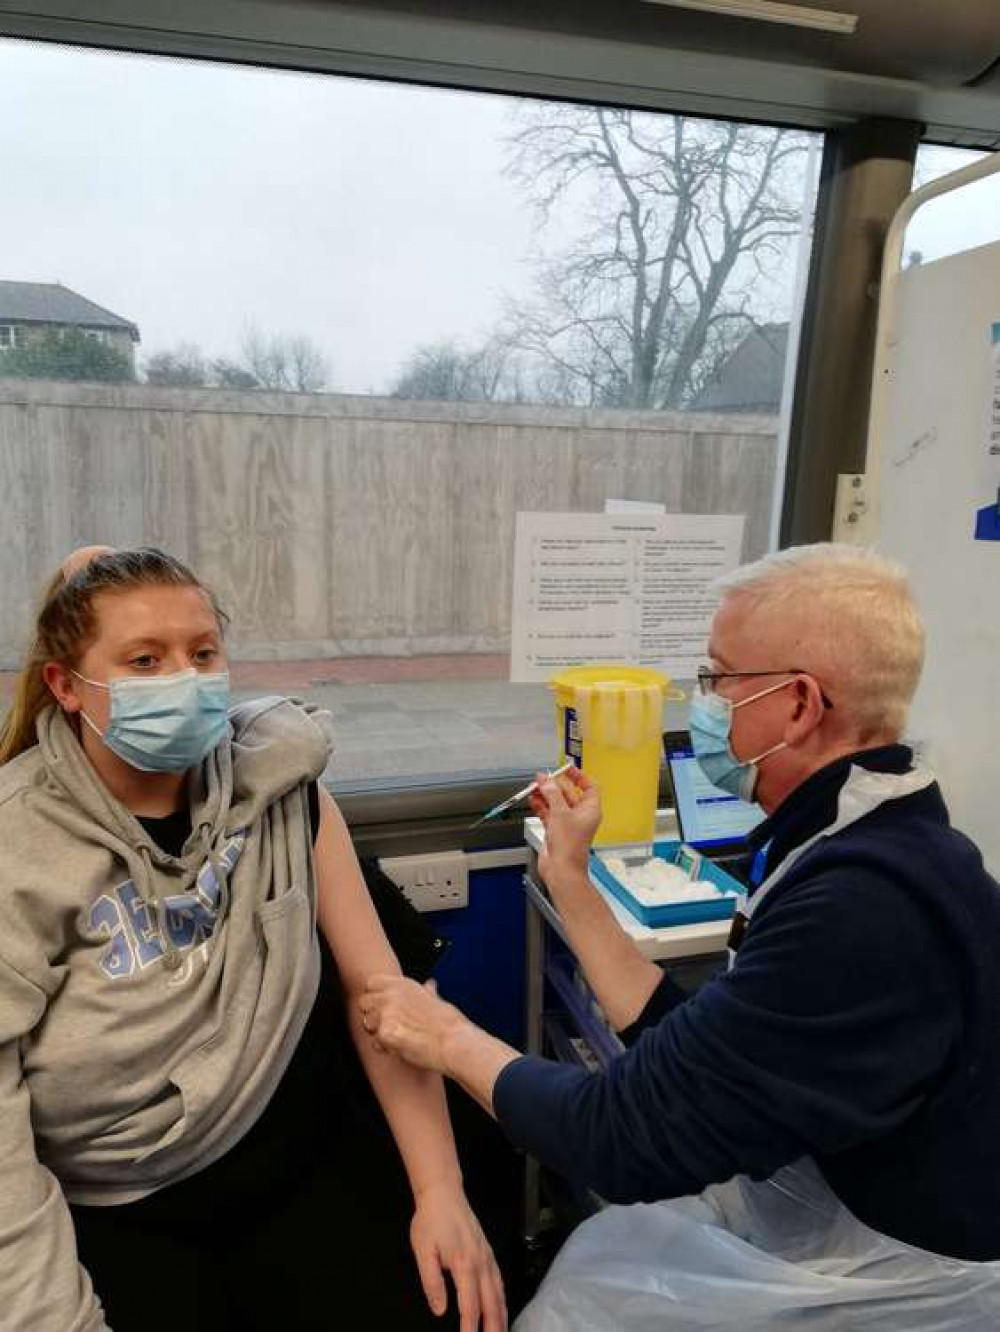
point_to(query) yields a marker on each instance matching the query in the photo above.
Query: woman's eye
(204, 655)
(143, 662)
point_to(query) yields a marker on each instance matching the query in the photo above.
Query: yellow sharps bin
(611, 726)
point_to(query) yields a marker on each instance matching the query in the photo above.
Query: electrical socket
(437, 882)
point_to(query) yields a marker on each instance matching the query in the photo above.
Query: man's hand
(570, 810)
(622, 979)
(410, 1020)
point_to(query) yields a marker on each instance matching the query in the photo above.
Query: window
(14, 335)
(955, 222)
(376, 321)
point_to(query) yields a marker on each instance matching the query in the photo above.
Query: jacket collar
(812, 806)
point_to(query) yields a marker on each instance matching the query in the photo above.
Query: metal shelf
(561, 1043)
(601, 1039)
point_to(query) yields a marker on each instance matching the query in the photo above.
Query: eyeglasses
(707, 679)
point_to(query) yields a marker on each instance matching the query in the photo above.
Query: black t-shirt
(416, 945)
(324, 1068)
(324, 1077)
(172, 830)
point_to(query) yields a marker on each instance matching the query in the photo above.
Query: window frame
(531, 64)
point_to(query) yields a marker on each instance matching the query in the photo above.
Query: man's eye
(143, 662)
(206, 654)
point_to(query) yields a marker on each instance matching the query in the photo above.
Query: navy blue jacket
(860, 1025)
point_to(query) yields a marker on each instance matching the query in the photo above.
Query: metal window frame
(345, 40)
(865, 176)
(420, 41)
(886, 336)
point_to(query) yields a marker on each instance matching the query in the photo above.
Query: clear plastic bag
(784, 1253)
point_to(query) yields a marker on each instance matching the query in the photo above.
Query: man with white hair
(858, 1025)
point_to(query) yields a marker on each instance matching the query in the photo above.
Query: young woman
(184, 1140)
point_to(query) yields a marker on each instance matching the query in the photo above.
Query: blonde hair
(67, 625)
(849, 616)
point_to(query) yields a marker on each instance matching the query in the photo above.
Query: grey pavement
(399, 732)
(415, 733)
(435, 731)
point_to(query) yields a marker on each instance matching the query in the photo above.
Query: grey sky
(200, 199)
(196, 199)
(957, 221)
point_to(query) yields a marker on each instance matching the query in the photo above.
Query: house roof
(751, 379)
(52, 303)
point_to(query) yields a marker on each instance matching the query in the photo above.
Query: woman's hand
(410, 1020)
(446, 1237)
(570, 810)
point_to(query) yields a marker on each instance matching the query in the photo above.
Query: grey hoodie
(148, 1004)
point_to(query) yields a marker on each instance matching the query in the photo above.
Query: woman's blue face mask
(164, 723)
(711, 726)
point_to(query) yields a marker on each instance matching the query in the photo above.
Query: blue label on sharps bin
(572, 741)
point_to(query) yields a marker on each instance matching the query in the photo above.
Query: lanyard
(760, 864)
(862, 793)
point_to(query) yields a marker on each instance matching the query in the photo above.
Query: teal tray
(669, 913)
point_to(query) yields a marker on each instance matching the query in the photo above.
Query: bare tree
(310, 370)
(448, 372)
(291, 364)
(435, 371)
(682, 216)
(182, 367)
(227, 374)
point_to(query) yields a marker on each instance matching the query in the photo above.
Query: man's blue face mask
(711, 725)
(164, 723)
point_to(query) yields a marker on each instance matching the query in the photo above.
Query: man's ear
(809, 709)
(62, 684)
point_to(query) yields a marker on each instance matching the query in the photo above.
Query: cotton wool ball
(658, 878)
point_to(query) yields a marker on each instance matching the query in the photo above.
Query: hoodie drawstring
(172, 959)
(220, 868)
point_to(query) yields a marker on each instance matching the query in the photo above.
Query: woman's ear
(61, 682)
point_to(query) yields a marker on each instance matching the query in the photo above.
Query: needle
(518, 796)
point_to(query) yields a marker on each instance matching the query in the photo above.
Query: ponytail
(31, 693)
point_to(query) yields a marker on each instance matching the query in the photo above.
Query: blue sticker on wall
(988, 522)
